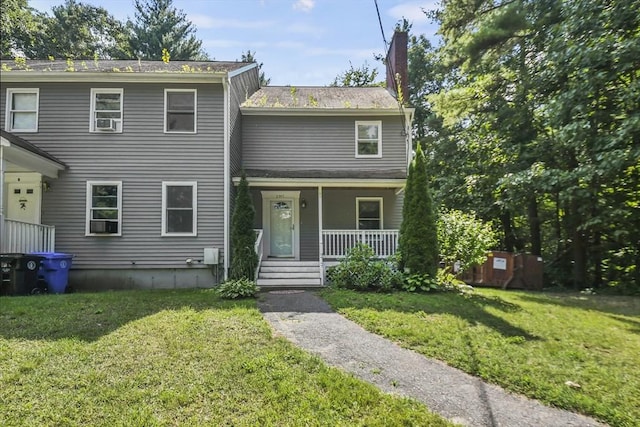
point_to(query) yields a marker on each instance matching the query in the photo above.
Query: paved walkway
(308, 321)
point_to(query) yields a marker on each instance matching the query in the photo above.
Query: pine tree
(159, 25)
(418, 234)
(244, 259)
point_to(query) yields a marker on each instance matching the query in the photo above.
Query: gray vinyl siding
(241, 87)
(317, 143)
(339, 207)
(141, 157)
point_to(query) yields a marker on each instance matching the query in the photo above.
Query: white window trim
(195, 110)
(369, 122)
(92, 103)
(10, 92)
(370, 199)
(87, 231)
(194, 187)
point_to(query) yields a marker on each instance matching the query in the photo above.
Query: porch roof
(392, 178)
(23, 153)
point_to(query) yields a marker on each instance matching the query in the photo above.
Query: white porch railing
(336, 243)
(22, 237)
(259, 247)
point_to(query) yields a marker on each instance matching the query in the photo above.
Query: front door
(281, 228)
(24, 202)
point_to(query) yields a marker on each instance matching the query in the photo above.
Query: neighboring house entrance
(23, 202)
(281, 223)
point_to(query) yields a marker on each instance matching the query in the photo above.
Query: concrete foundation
(170, 278)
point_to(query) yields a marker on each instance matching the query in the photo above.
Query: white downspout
(321, 243)
(227, 188)
(2, 237)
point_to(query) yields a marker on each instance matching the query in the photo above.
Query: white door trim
(267, 198)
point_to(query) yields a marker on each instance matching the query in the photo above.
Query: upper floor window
(179, 208)
(369, 213)
(106, 110)
(104, 208)
(180, 110)
(368, 139)
(22, 110)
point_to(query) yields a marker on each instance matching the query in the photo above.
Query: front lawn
(156, 358)
(530, 343)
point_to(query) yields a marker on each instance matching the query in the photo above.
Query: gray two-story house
(131, 165)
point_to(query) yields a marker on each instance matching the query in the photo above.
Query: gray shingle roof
(23, 143)
(320, 97)
(122, 66)
(336, 174)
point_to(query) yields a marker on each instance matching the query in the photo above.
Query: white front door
(281, 227)
(280, 222)
(23, 202)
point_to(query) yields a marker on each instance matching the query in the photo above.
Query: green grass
(167, 358)
(530, 343)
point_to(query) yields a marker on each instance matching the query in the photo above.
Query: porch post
(320, 245)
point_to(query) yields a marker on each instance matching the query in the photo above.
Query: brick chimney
(397, 65)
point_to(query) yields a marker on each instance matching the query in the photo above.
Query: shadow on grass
(89, 316)
(472, 308)
(620, 305)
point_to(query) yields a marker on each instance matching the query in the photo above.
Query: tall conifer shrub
(418, 243)
(244, 259)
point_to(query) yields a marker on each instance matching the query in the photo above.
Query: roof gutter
(114, 76)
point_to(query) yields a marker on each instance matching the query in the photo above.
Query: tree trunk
(507, 229)
(534, 226)
(597, 260)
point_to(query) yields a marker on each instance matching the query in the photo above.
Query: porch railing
(259, 247)
(22, 237)
(336, 243)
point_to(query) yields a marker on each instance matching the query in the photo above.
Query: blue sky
(300, 42)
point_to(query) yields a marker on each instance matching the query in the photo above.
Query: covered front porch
(24, 173)
(313, 224)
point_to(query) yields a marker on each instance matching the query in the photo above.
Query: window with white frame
(179, 208)
(369, 213)
(180, 110)
(368, 139)
(106, 110)
(22, 110)
(104, 208)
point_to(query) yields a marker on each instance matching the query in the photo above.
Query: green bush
(444, 282)
(464, 238)
(237, 288)
(360, 270)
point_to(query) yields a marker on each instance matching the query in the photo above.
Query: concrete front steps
(289, 274)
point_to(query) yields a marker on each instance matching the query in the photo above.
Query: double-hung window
(180, 110)
(179, 208)
(104, 208)
(106, 110)
(368, 139)
(369, 213)
(22, 110)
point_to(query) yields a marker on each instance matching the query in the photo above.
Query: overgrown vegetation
(166, 358)
(572, 351)
(237, 288)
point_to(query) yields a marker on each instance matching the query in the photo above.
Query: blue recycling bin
(55, 270)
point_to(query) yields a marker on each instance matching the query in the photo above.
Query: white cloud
(413, 12)
(204, 21)
(304, 5)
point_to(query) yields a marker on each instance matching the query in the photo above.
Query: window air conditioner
(103, 227)
(106, 124)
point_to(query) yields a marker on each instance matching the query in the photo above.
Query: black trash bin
(19, 273)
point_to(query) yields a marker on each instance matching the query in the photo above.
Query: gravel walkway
(308, 321)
